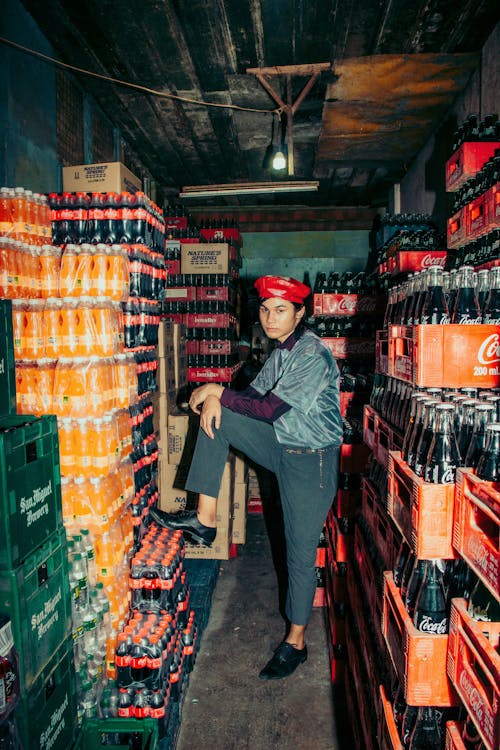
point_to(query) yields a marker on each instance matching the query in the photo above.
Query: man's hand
(211, 413)
(199, 395)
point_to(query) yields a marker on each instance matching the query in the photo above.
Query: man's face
(279, 318)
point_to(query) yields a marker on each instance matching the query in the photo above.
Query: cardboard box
(205, 257)
(171, 499)
(220, 549)
(240, 469)
(177, 431)
(239, 513)
(108, 177)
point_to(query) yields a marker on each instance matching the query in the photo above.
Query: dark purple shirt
(267, 407)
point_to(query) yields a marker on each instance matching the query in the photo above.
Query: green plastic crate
(7, 362)
(46, 717)
(30, 486)
(141, 734)
(36, 596)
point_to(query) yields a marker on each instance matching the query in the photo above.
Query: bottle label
(468, 321)
(426, 624)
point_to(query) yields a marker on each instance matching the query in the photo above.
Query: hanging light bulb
(279, 160)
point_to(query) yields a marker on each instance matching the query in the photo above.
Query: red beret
(282, 286)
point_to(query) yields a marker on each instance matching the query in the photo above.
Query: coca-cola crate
(422, 511)
(210, 320)
(387, 438)
(336, 625)
(493, 199)
(409, 261)
(344, 347)
(476, 527)
(477, 217)
(474, 668)
(336, 654)
(368, 700)
(335, 578)
(319, 597)
(353, 458)
(347, 503)
(370, 417)
(419, 658)
(208, 293)
(385, 536)
(446, 356)
(345, 304)
(212, 374)
(180, 294)
(453, 740)
(467, 161)
(456, 229)
(382, 352)
(371, 574)
(353, 710)
(388, 738)
(320, 557)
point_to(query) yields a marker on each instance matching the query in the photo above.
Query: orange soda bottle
(119, 275)
(30, 218)
(4, 267)
(6, 211)
(52, 327)
(49, 260)
(67, 456)
(100, 271)
(33, 324)
(19, 215)
(70, 279)
(83, 447)
(19, 328)
(46, 371)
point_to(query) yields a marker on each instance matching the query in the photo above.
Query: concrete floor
(227, 707)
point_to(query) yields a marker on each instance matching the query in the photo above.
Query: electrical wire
(136, 86)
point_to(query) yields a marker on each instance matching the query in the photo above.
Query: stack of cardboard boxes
(177, 431)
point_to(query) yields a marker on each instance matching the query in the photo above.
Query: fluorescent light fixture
(279, 161)
(247, 188)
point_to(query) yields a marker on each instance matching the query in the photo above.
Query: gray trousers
(307, 482)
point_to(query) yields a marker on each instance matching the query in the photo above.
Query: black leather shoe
(187, 522)
(286, 659)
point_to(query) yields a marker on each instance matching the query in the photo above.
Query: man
(288, 420)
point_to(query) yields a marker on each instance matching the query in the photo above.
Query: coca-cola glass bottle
(488, 464)
(430, 614)
(420, 296)
(483, 287)
(466, 426)
(401, 560)
(443, 457)
(411, 423)
(414, 584)
(417, 431)
(435, 309)
(492, 302)
(425, 440)
(484, 414)
(426, 733)
(466, 309)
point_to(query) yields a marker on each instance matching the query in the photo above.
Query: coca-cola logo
(432, 260)
(489, 351)
(347, 304)
(448, 476)
(478, 553)
(473, 696)
(427, 625)
(466, 321)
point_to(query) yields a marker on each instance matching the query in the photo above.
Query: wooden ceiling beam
(291, 70)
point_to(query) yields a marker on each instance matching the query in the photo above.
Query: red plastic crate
(353, 458)
(493, 198)
(222, 234)
(212, 374)
(172, 267)
(335, 582)
(409, 261)
(454, 739)
(477, 218)
(372, 578)
(476, 527)
(208, 293)
(467, 161)
(254, 505)
(382, 352)
(388, 732)
(387, 438)
(176, 222)
(341, 543)
(347, 503)
(346, 304)
(350, 400)
(344, 347)
(370, 417)
(180, 294)
(474, 668)
(205, 346)
(320, 557)
(446, 356)
(210, 320)
(369, 625)
(419, 658)
(456, 229)
(422, 511)
(363, 687)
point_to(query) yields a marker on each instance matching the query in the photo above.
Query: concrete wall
(27, 105)
(295, 253)
(423, 188)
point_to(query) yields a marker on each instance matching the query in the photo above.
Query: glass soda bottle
(483, 287)
(443, 457)
(488, 464)
(414, 584)
(483, 415)
(424, 443)
(417, 432)
(426, 733)
(466, 309)
(492, 302)
(435, 309)
(430, 614)
(466, 427)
